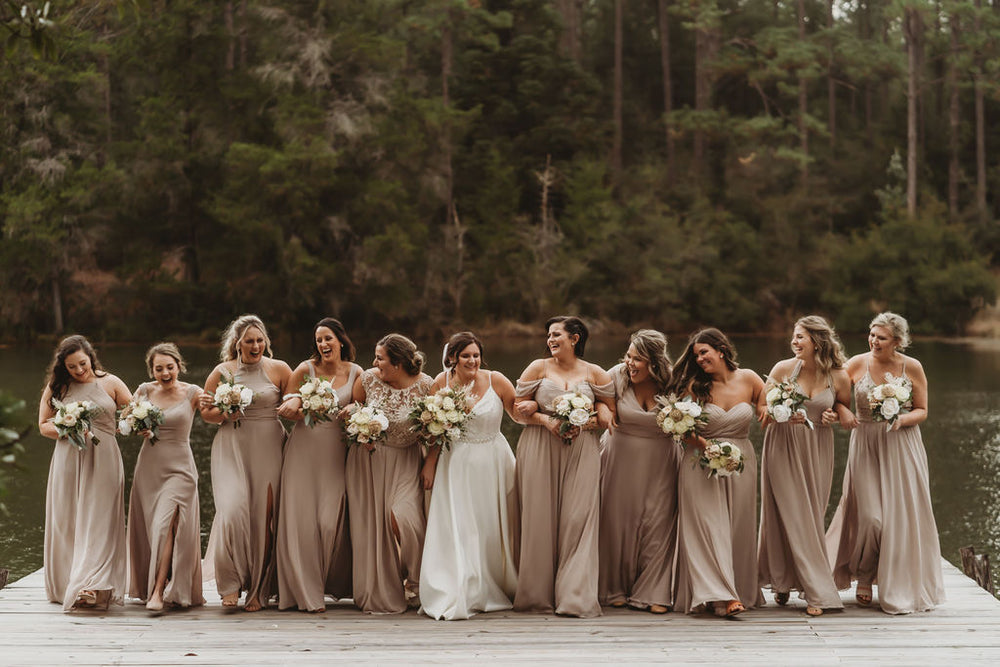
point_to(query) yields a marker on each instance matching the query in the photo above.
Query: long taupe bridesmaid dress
(638, 530)
(383, 485)
(165, 486)
(558, 495)
(85, 509)
(717, 526)
(314, 543)
(246, 472)
(796, 476)
(884, 531)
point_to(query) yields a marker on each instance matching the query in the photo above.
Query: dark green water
(962, 435)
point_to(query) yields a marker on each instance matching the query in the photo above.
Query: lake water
(962, 435)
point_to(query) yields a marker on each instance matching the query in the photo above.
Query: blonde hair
(167, 349)
(235, 332)
(828, 350)
(651, 346)
(897, 326)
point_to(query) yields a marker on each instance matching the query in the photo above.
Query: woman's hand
(828, 417)
(428, 471)
(205, 401)
(291, 409)
(526, 408)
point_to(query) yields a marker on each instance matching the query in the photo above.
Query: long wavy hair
(689, 376)
(403, 352)
(829, 351)
(897, 326)
(651, 346)
(347, 351)
(57, 377)
(234, 334)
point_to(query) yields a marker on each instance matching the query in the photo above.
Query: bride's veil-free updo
(403, 352)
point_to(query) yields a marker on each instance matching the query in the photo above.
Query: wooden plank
(37, 632)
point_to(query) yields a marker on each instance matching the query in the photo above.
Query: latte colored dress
(246, 472)
(383, 485)
(884, 530)
(717, 526)
(468, 562)
(638, 535)
(314, 543)
(558, 495)
(796, 476)
(165, 485)
(85, 509)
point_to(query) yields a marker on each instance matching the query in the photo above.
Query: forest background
(421, 165)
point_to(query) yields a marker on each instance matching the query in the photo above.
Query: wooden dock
(964, 630)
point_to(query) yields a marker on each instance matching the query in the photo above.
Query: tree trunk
(831, 84)
(668, 99)
(954, 117)
(243, 34)
(703, 53)
(57, 309)
(616, 149)
(227, 14)
(803, 99)
(980, 127)
(569, 40)
(912, 26)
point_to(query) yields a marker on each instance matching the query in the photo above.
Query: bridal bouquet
(679, 418)
(140, 415)
(319, 401)
(366, 426)
(785, 399)
(232, 398)
(73, 421)
(888, 401)
(721, 459)
(572, 409)
(441, 418)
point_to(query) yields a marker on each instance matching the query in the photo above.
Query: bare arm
(45, 415)
(292, 408)
(210, 413)
(918, 414)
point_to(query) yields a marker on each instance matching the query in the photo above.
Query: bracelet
(288, 396)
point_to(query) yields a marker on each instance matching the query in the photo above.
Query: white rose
(447, 403)
(579, 402)
(903, 393)
(877, 393)
(246, 396)
(362, 417)
(307, 388)
(579, 417)
(315, 402)
(773, 395)
(688, 422)
(452, 416)
(123, 427)
(223, 388)
(59, 419)
(140, 411)
(435, 428)
(454, 433)
(667, 425)
(690, 407)
(781, 413)
(69, 420)
(562, 406)
(890, 408)
(381, 421)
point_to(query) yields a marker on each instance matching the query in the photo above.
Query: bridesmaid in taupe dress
(314, 543)
(385, 497)
(558, 483)
(797, 470)
(164, 519)
(638, 537)
(246, 466)
(85, 552)
(884, 531)
(717, 527)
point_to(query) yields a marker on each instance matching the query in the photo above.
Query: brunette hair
(689, 376)
(347, 351)
(897, 326)
(403, 352)
(168, 349)
(235, 332)
(574, 326)
(57, 377)
(651, 345)
(829, 352)
(459, 342)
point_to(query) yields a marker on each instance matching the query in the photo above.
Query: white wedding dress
(468, 563)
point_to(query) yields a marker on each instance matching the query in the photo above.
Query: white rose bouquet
(319, 401)
(232, 398)
(888, 401)
(679, 418)
(785, 399)
(366, 426)
(73, 421)
(442, 417)
(573, 409)
(140, 415)
(721, 459)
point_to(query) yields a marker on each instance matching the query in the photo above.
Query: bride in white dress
(468, 562)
